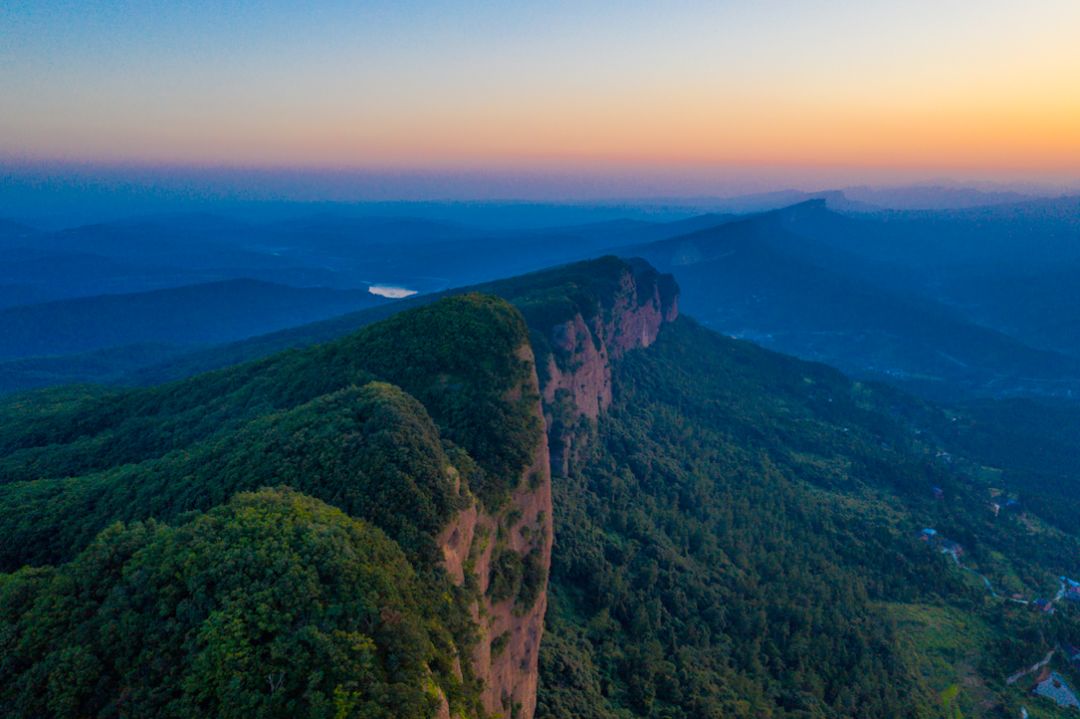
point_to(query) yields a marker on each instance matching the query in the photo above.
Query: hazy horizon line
(593, 183)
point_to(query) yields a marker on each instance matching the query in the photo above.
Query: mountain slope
(576, 502)
(327, 249)
(320, 423)
(196, 314)
(428, 425)
(1034, 306)
(740, 537)
(810, 295)
(583, 275)
(111, 365)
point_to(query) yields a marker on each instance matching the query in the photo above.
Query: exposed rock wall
(475, 543)
(479, 542)
(579, 371)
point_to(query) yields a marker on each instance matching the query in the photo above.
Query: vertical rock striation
(507, 551)
(579, 369)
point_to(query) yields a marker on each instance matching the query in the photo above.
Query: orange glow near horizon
(936, 86)
(1032, 138)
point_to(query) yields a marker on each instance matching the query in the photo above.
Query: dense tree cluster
(273, 604)
(734, 540)
(323, 599)
(373, 451)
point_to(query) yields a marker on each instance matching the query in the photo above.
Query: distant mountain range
(324, 250)
(202, 314)
(966, 301)
(932, 197)
(163, 285)
(808, 281)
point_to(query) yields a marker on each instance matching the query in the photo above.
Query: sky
(673, 96)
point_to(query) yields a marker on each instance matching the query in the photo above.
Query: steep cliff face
(578, 385)
(429, 424)
(506, 553)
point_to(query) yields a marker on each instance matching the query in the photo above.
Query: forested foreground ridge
(565, 501)
(423, 433)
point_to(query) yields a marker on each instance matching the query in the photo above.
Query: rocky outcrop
(578, 372)
(507, 552)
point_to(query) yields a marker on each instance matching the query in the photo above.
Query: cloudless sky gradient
(985, 88)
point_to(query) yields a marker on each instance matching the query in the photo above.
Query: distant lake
(391, 291)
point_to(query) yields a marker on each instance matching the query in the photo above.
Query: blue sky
(864, 89)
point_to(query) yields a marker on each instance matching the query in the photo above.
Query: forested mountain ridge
(565, 502)
(455, 433)
(428, 425)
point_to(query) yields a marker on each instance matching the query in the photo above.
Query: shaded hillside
(1037, 233)
(1037, 306)
(146, 365)
(44, 275)
(339, 250)
(106, 366)
(192, 315)
(11, 231)
(785, 279)
(128, 259)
